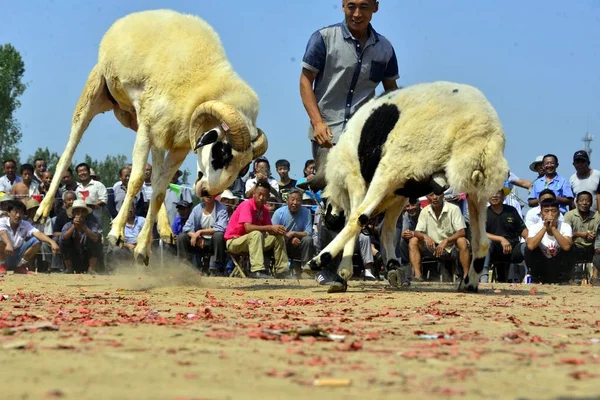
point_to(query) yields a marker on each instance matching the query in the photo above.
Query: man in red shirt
(251, 231)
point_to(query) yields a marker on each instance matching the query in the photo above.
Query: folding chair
(240, 262)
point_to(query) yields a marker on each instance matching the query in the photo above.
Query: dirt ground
(175, 335)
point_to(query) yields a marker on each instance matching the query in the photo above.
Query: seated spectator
(584, 224)
(10, 176)
(585, 178)
(410, 217)
(67, 183)
(505, 228)
(133, 227)
(81, 239)
(44, 258)
(262, 171)
(285, 182)
(204, 233)
(534, 215)
(120, 191)
(548, 252)
(4, 203)
(551, 180)
(40, 168)
(20, 192)
(27, 176)
(250, 230)
(272, 205)
(511, 198)
(184, 208)
(175, 193)
(297, 221)
(440, 233)
(45, 182)
(229, 200)
(20, 240)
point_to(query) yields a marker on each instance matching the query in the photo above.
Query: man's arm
(389, 85)
(44, 238)
(522, 183)
(452, 239)
(102, 195)
(323, 135)
(534, 242)
(93, 236)
(261, 228)
(5, 238)
(565, 242)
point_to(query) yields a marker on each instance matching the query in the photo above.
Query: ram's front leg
(172, 162)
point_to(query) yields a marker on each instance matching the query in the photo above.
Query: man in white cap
(229, 200)
(81, 239)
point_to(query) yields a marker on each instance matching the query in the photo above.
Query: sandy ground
(175, 335)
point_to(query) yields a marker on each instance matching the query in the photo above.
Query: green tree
(12, 69)
(51, 158)
(108, 169)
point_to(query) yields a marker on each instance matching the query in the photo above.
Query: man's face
(208, 199)
(358, 14)
(412, 209)
(294, 202)
(549, 165)
(262, 168)
(40, 167)
(550, 213)
(47, 178)
(79, 212)
(83, 173)
(581, 166)
(15, 215)
(260, 196)
(309, 170)
(184, 212)
(539, 167)
(584, 202)
(148, 172)
(69, 199)
(436, 200)
(125, 174)
(10, 169)
(283, 172)
(497, 198)
(175, 178)
(27, 176)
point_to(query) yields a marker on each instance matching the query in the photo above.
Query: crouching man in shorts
(21, 241)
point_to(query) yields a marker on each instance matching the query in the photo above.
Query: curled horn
(259, 145)
(236, 130)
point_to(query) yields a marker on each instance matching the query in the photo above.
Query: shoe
(368, 275)
(2, 270)
(595, 281)
(22, 270)
(329, 278)
(262, 274)
(283, 275)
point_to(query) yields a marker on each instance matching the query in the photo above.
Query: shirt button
(351, 91)
(347, 105)
(360, 60)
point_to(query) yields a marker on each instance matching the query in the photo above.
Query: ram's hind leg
(93, 100)
(395, 274)
(480, 243)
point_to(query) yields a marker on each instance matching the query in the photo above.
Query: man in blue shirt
(297, 221)
(551, 180)
(203, 233)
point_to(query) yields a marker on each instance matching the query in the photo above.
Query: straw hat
(227, 194)
(533, 165)
(78, 204)
(31, 204)
(7, 197)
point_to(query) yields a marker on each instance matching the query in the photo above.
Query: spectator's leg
(485, 273)
(277, 244)
(538, 265)
(184, 246)
(253, 244)
(28, 251)
(218, 243)
(594, 278)
(366, 254)
(69, 254)
(94, 251)
(414, 251)
(307, 249)
(463, 255)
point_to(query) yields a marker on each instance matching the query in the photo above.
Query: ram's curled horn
(259, 145)
(236, 130)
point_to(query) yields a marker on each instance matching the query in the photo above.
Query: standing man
(10, 176)
(92, 189)
(553, 181)
(585, 179)
(286, 184)
(342, 66)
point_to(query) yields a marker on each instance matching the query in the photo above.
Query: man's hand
(9, 249)
(130, 246)
(55, 247)
(506, 247)
(590, 236)
(194, 238)
(290, 235)
(277, 230)
(429, 242)
(295, 242)
(548, 222)
(408, 234)
(439, 250)
(323, 135)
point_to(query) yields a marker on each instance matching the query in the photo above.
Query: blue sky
(538, 62)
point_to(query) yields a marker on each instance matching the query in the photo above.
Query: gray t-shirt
(589, 184)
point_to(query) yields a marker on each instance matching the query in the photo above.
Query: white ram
(408, 143)
(166, 76)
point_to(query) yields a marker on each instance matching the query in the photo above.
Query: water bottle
(527, 279)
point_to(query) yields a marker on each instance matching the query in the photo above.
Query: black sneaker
(262, 274)
(329, 278)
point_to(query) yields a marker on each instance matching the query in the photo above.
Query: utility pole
(587, 143)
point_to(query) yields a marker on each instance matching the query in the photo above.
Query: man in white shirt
(262, 171)
(89, 188)
(585, 178)
(27, 174)
(548, 253)
(534, 215)
(21, 241)
(10, 176)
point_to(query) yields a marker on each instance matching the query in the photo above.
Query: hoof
(142, 259)
(337, 288)
(314, 264)
(464, 287)
(113, 240)
(346, 274)
(168, 239)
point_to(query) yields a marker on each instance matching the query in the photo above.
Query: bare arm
(389, 85)
(534, 242)
(564, 242)
(323, 135)
(522, 183)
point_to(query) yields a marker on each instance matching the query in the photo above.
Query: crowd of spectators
(279, 228)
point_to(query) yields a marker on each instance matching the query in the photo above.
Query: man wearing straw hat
(81, 238)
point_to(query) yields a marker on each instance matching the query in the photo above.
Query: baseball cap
(183, 203)
(581, 155)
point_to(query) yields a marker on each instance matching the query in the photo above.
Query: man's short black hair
(27, 167)
(263, 183)
(294, 191)
(82, 165)
(16, 204)
(414, 201)
(545, 192)
(121, 170)
(9, 160)
(70, 171)
(38, 159)
(282, 163)
(584, 192)
(551, 155)
(549, 203)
